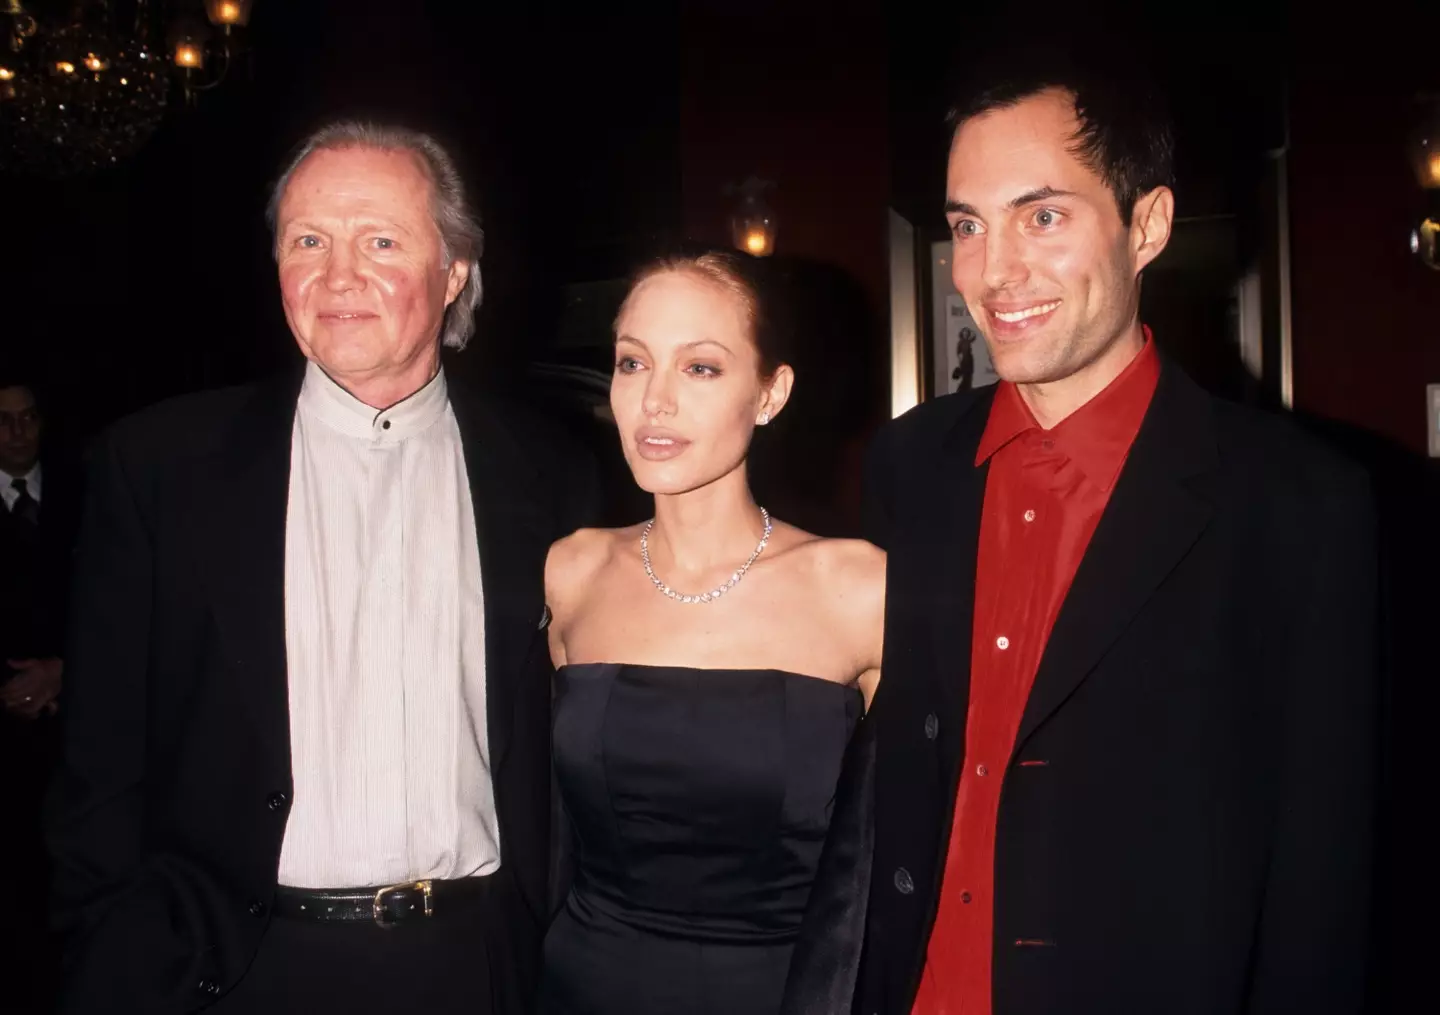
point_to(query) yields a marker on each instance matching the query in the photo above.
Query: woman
(712, 666)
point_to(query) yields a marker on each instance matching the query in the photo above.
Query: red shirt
(1044, 495)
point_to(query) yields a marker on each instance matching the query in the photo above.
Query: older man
(306, 767)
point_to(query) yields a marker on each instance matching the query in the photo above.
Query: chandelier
(85, 88)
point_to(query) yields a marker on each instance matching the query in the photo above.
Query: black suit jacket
(170, 806)
(36, 564)
(1185, 822)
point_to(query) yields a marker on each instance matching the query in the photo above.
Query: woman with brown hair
(713, 665)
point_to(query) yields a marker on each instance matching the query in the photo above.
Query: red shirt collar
(1098, 435)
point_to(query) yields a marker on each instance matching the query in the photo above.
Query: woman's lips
(656, 445)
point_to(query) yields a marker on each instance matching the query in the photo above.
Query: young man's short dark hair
(1125, 133)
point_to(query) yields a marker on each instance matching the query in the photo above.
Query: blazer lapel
(955, 529)
(513, 541)
(1156, 513)
(244, 526)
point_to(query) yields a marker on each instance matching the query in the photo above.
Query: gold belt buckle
(377, 907)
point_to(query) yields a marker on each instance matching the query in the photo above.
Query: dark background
(594, 135)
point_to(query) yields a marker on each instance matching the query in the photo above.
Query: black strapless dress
(699, 801)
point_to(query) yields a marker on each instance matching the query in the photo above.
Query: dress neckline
(654, 667)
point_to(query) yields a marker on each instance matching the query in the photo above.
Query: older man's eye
(384, 243)
(308, 242)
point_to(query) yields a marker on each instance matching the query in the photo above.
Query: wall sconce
(1425, 161)
(197, 47)
(753, 222)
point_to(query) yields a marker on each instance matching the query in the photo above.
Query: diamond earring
(764, 418)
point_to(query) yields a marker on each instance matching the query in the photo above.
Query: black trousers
(29, 952)
(479, 959)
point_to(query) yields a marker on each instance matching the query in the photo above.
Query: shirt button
(904, 884)
(257, 908)
(385, 425)
(208, 987)
(1047, 444)
(1030, 516)
(932, 726)
(276, 801)
(965, 898)
(1002, 643)
(982, 771)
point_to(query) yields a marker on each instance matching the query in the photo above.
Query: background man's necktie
(26, 507)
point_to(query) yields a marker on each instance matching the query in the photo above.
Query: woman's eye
(703, 370)
(627, 365)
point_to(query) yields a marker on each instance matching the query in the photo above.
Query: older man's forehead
(362, 160)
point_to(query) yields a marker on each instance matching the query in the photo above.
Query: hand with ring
(34, 689)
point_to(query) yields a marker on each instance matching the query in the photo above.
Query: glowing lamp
(189, 55)
(1424, 152)
(224, 13)
(753, 222)
(1425, 143)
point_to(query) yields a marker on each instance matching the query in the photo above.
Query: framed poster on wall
(959, 360)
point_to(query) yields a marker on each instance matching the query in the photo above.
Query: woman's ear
(775, 394)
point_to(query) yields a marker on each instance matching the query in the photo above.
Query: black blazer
(170, 806)
(1185, 823)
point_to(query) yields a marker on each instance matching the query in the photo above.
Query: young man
(1126, 729)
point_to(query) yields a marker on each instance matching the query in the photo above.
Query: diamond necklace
(704, 597)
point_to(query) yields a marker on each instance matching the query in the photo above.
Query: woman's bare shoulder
(850, 570)
(575, 560)
(851, 561)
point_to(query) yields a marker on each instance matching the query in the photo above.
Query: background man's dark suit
(34, 580)
(171, 804)
(1187, 815)
(37, 565)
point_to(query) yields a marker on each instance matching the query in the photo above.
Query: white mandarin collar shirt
(384, 633)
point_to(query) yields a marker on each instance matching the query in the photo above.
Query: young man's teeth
(1021, 315)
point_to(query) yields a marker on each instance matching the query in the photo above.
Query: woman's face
(687, 391)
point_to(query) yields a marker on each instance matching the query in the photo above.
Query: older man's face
(362, 272)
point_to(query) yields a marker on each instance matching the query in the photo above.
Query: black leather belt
(386, 906)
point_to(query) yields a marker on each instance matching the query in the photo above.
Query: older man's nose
(340, 272)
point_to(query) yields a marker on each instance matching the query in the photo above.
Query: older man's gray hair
(460, 235)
